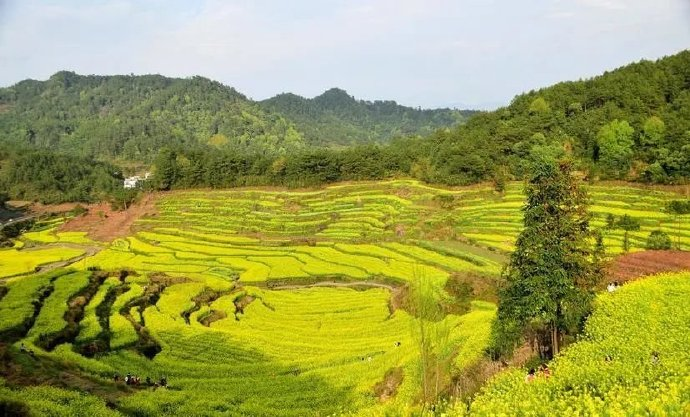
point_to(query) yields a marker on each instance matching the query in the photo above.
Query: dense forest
(131, 117)
(42, 175)
(335, 117)
(632, 123)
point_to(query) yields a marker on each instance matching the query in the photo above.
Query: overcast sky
(429, 53)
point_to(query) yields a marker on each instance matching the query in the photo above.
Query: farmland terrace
(275, 302)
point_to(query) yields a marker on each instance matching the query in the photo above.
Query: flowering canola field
(273, 303)
(633, 360)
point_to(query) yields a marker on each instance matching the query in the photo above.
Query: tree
(550, 280)
(626, 242)
(500, 179)
(653, 132)
(678, 208)
(610, 221)
(167, 170)
(599, 248)
(615, 142)
(658, 240)
(539, 106)
(423, 302)
(629, 224)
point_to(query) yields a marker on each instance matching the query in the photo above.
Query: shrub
(658, 240)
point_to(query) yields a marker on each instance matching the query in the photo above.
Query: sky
(428, 53)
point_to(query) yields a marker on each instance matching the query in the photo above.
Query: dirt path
(105, 225)
(370, 284)
(88, 251)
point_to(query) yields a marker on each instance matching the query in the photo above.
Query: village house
(132, 182)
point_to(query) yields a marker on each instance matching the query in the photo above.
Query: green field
(275, 302)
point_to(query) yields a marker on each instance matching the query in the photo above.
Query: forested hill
(335, 117)
(131, 117)
(631, 123)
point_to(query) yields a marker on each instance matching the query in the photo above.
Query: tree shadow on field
(218, 376)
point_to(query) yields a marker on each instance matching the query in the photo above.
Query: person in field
(545, 371)
(530, 375)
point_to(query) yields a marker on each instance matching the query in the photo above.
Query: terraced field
(495, 221)
(264, 302)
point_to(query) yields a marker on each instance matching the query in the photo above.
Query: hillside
(271, 302)
(131, 117)
(336, 118)
(630, 123)
(632, 360)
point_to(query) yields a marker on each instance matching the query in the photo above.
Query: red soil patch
(103, 224)
(40, 208)
(638, 264)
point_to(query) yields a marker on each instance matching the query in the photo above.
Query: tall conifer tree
(551, 276)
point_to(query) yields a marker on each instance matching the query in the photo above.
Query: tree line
(49, 177)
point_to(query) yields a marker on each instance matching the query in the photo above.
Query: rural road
(17, 220)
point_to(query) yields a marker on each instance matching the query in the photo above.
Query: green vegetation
(335, 118)
(630, 123)
(131, 117)
(658, 240)
(41, 175)
(221, 282)
(50, 320)
(51, 401)
(20, 261)
(632, 360)
(550, 278)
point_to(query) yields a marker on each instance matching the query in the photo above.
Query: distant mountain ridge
(335, 117)
(131, 117)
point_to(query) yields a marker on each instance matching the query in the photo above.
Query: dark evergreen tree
(550, 279)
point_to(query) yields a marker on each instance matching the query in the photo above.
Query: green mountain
(131, 117)
(336, 118)
(631, 123)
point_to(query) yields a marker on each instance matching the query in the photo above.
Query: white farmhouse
(132, 182)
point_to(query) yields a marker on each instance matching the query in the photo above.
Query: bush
(628, 223)
(658, 240)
